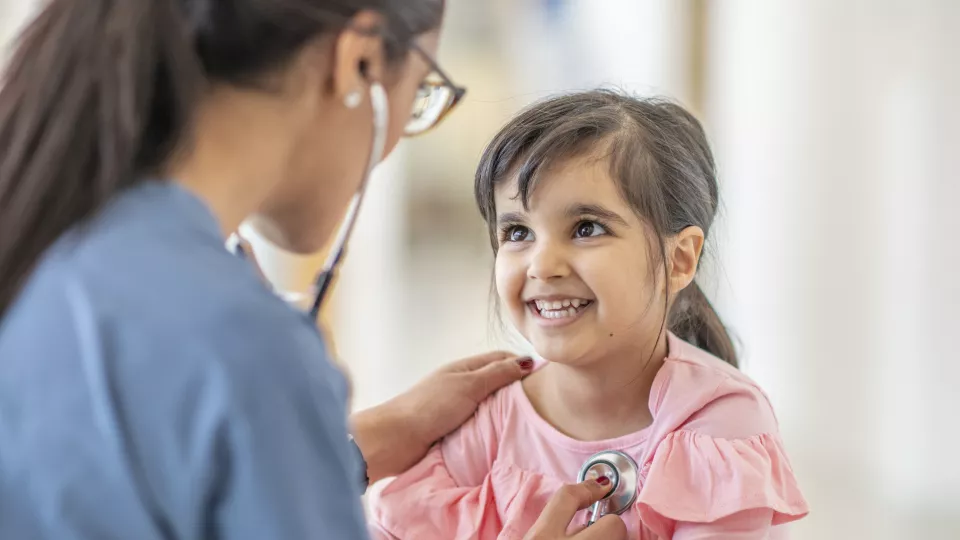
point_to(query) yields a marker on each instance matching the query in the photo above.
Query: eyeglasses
(435, 98)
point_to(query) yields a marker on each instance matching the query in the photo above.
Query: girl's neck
(607, 399)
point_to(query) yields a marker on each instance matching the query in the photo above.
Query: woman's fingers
(479, 361)
(567, 501)
(572, 498)
(609, 527)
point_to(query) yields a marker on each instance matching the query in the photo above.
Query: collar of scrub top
(321, 284)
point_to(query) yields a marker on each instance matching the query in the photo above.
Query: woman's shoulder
(149, 291)
(699, 392)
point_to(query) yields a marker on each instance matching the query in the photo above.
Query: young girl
(598, 207)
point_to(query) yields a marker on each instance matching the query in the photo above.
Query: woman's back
(149, 383)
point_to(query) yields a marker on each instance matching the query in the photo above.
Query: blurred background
(836, 127)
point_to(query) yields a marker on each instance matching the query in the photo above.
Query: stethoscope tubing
(321, 284)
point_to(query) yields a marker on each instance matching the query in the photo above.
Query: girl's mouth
(559, 311)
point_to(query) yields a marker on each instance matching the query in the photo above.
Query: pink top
(712, 465)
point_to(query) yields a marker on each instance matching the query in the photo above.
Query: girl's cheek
(507, 281)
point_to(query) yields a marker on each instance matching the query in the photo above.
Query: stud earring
(353, 99)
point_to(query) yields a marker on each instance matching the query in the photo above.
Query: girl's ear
(683, 254)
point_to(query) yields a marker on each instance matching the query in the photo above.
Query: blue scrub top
(151, 387)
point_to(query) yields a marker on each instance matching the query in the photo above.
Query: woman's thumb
(496, 375)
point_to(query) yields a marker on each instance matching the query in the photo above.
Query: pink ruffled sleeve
(450, 493)
(426, 502)
(700, 486)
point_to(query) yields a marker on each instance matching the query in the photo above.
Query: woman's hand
(556, 517)
(397, 434)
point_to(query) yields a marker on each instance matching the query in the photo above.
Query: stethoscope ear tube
(323, 279)
(381, 116)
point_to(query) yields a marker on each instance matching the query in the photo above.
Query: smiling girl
(598, 207)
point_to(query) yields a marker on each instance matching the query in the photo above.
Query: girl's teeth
(559, 314)
(560, 308)
(560, 304)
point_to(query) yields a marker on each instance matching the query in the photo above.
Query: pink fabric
(712, 466)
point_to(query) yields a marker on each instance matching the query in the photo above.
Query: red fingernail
(603, 480)
(525, 364)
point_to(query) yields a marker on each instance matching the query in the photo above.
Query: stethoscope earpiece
(624, 477)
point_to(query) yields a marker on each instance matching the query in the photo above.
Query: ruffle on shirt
(425, 503)
(698, 478)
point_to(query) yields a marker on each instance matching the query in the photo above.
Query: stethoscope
(323, 279)
(624, 477)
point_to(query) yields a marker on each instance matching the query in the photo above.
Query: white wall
(836, 125)
(13, 13)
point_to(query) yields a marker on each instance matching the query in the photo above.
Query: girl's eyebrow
(573, 211)
(578, 210)
(510, 217)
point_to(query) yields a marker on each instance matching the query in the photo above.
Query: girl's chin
(568, 355)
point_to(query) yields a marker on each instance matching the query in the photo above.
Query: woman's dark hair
(100, 93)
(660, 158)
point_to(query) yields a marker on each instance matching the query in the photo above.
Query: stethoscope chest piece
(624, 476)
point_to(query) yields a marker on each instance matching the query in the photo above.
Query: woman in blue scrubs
(151, 386)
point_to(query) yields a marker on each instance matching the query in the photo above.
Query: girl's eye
(517, 233)
(589, 228)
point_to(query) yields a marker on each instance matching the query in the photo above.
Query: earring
(353, 99)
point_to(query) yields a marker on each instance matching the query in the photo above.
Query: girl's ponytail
(694, 320)
(96, 95)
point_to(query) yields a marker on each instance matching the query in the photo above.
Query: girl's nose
(548, 261)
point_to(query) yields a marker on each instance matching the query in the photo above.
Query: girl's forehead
(572, 180)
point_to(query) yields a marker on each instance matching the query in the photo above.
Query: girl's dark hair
(660, 158)
(99, 94)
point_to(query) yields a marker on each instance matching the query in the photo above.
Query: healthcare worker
(151, 386)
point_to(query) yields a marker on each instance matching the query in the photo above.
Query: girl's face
(576, 272)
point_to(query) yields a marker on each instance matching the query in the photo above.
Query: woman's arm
(397, 434)
(281, 451)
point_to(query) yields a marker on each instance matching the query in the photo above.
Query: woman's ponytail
(694, 320)
(96, 95)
